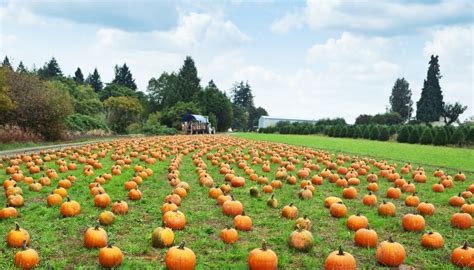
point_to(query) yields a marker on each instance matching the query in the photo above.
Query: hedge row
(423, 134)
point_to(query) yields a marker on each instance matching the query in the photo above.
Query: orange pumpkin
(413, 223)
(162, 237)
(16, 236)
(390, 253)
(70, 208)
(243, 222)
(340, 259)
(432, 240)
(262, 258)
(174, 220)
(180, 258)
(462, 221)
(27, 258)
(229, 235)
(110, 256)
(356, 222)
(95, 237)
(463, 256)
(365, 237)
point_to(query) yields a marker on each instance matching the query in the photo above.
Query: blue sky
(304, 59)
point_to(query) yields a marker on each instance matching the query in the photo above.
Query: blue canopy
(194, 117)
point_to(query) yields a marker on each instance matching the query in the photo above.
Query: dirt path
(29, 150)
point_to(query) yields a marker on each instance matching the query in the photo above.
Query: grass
(434, 156)
(58, 240)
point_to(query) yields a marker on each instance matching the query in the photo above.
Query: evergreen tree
(451, 112)
(430, 106)
(218, 104)
(6, 63)
(441, 138)
(366, 132)
(400, 100)
(404, 134)
(242, 95)
(94, 81)
(393, 130)
(357, 132)
(188, 81)
(50, 70)
(384, 134)
(374, 132)
(426, 136)
(21, 68)
(457, 137)
(414, 136)
(123, 77)
(350, 131)
(78, 76)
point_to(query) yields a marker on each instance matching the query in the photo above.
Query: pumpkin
(135, 194)
(369, 199)
(262, 258)
(27, 258)
(110, 256)
(229, 235)
(162, 237)
(129, 185)
(289, 211)
(356, 222)
(8, 212)
(174, 198)
(267, 189)
(463, 256)
(54, 199)
(460, 176)
(387, 209)
(390, 253)
(432, 240)
(15, 200)
(394, 193)
(340, 259)
(243, 222)
(426, 209)
(180, 258)
(254, 192)
(468, 208)
(16, 236)
(101, 200)
(305, 193)
(215, 192)
(456, 200)
(349, 193)
(461, 221)
(365, 237)
(414, 223)
(412, 200)
(331, 200)
(174, 220)
(301, 239)
(106, 218)
(338, 210)
(304, 223)
(95, 237)
(232, 207)
(70, 208)
(272, 202)
(120, 207)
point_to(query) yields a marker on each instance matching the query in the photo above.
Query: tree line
(46, 102)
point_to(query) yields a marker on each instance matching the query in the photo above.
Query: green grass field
(58, 240)
(435, 156)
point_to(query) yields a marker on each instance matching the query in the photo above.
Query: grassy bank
(436, 156)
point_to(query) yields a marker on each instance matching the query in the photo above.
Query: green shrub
(83, 123)
(426, 136)
(457, 137)
(374, 133)
(357, 132)
(470, 135)
(384, 134)
(441, 138)
(404, 134)
(414, 136)
(365, 132)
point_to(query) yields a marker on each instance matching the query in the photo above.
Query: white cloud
(454, 45)
(376, 16)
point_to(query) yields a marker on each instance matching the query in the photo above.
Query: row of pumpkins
(388, 252)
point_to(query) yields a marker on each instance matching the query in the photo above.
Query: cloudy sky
(306, 60)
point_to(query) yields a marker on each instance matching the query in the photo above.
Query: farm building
(267, 121)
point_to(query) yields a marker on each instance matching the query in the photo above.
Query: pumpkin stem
(466, 245)
(430, 232)
(390, 239)
(291, 204)
(23, 244)
(68, 199)
(305, 216)
(17, 226)
(243, 213)
(96, 227)
(358, 214)
(109, 245)
(341, 252)
(264, 245)
(181, 246)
